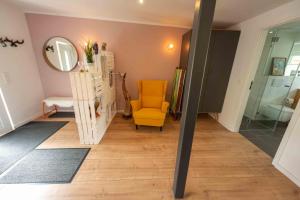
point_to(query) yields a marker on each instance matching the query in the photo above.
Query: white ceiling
(162, 12)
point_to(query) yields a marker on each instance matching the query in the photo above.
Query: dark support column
(203, 18)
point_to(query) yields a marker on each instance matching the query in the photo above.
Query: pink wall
(140, 50)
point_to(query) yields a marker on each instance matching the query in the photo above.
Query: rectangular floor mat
(46, 166)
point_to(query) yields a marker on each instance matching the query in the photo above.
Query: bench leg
(44, 113)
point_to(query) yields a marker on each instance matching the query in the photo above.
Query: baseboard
(287, 173)
(18, 124)
(228, 127)
(5, 133)
(29, 119)
(213, 115)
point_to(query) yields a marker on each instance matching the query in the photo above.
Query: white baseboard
(21, 123)
(29, 119)
(227, 126)
(231, 129)
(287, 173)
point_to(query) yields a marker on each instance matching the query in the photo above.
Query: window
(294, 61)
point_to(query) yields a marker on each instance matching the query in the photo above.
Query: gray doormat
(63, 115)
(46, 166)
(16, 144)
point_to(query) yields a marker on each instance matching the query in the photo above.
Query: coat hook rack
(7, 42)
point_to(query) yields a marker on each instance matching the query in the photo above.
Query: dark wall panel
(219, 63)
(220, 59)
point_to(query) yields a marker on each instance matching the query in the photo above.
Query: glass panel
(269, 103)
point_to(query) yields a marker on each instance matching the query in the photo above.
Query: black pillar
(203, 18)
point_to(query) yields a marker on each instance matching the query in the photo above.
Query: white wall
(287, 158)
(23, 91)
(253, 34)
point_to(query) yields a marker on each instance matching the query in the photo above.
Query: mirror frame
(47, 60)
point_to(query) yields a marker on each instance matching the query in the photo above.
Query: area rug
(46, 166)
(18, 143)
(63, 115)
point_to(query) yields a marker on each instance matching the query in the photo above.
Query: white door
(287, 156)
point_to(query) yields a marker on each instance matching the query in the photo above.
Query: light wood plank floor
(130, 164)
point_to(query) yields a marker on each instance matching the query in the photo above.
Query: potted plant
(89, 54)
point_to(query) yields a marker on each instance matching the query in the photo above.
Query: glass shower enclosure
(270, 104)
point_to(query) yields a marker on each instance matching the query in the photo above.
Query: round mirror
(60, 54)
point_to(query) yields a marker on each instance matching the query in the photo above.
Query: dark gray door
(220, 59)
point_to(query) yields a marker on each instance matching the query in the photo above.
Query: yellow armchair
(151, 108)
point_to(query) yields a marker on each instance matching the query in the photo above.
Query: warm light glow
(171, 46)
(187, 46)
(197, 4)
(141, 1)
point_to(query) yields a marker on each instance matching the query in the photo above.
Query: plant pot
(91, 67)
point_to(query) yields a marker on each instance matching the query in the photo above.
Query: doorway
(275, 89)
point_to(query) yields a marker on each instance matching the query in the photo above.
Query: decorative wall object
(5, 42)
(95, 48)
(103, 46)
(278, 66)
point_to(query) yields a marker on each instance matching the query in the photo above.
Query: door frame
(283, 144)
(7, 113)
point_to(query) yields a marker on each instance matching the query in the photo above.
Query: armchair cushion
(152, 93)
(149, 113)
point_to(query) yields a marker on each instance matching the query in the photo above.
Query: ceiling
(161, 12)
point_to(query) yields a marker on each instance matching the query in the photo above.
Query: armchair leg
(136, 127)
(161, 128)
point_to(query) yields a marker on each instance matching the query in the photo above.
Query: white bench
(61, 102)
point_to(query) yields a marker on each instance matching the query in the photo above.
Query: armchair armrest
(165, 106)
(136, 105)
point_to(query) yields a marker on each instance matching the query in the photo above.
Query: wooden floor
(130, 164)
